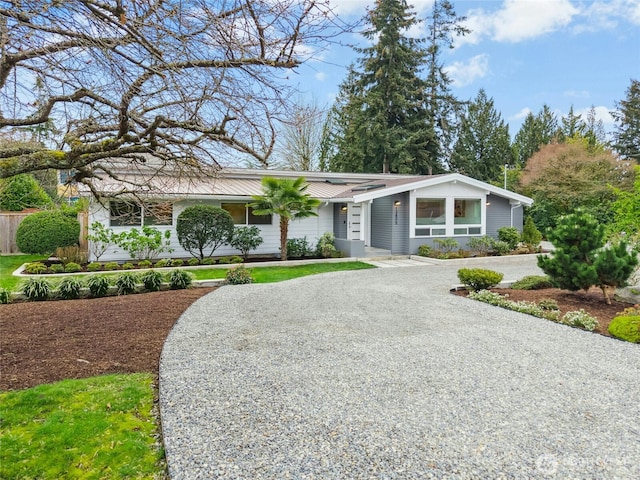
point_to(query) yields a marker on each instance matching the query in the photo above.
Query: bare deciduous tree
(300, 140)
(178, 79)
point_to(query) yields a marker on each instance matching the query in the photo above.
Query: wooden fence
(9, 222)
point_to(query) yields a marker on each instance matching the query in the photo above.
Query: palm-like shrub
(98, 285)
(152, 280)
(179, 279)
(37, 289)
(69, 288)
(126, 283)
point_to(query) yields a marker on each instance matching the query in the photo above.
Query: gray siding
(381, 234)
(339, 221)
(390, 224)
(498, 214)
(518, 218)
(400, 224)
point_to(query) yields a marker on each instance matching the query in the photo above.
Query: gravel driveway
(381, 374)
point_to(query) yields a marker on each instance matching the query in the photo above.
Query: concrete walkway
(382, 374)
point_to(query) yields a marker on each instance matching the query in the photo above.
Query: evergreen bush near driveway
(479, 278)
(626, 328)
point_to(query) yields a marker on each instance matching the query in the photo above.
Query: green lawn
(9, 263)
(100, 427)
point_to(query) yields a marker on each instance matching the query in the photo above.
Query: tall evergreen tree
(484, 144)
(536, 130)
(445, 110)
(572, 126)
(627, 117)
(380, 119)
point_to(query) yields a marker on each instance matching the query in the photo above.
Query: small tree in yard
(285, 197)
(246, 239)
(203, 228)
(580, 259)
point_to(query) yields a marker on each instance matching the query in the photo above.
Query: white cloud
(320, 76)
(521, 114)
(607, 14)
(465, 73)
(519, 20)
(359, 7)
(602, 113)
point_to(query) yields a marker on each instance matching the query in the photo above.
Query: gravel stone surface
(381, 374)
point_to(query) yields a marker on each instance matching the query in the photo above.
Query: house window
(430, 211)
(467, 216)
(123, 213)
(467, 212)
(243, 215)
(159, 213)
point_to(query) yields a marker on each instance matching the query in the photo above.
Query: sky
(523, 53)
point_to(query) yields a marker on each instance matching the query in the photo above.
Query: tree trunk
(284, 232)
(605, 291)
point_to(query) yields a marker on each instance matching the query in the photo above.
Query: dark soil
(43, 342)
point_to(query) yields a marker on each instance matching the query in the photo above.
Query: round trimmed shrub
(72, 267)
(201, 229)
(626, 328)
(238, 276)
(41, 233)
(479, 278)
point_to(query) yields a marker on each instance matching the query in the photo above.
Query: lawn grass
(100, 427)
(9, 263)
(279, 274)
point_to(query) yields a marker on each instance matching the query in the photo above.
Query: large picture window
(430, 211)
(124, 213)
(243, 215)
(467, 212)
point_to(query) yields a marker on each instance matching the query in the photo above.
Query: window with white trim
(123, 213)
(467, 216)
(242, 214)
(431, 217)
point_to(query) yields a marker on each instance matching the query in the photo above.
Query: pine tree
(627, 117)
(484, 144)
(445, 110)
(536, 130)
(580, 261)
(380, 119)
(573, 126)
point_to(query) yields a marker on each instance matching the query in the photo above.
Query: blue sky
(524, 53)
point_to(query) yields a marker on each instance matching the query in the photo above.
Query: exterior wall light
(397, 203)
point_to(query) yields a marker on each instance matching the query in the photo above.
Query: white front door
(354, 221)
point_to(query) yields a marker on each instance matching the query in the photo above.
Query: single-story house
(397, 213)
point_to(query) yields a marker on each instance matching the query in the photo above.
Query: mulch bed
(43, 342)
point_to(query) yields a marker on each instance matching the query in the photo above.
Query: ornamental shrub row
(39, 288)
(579, 319)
